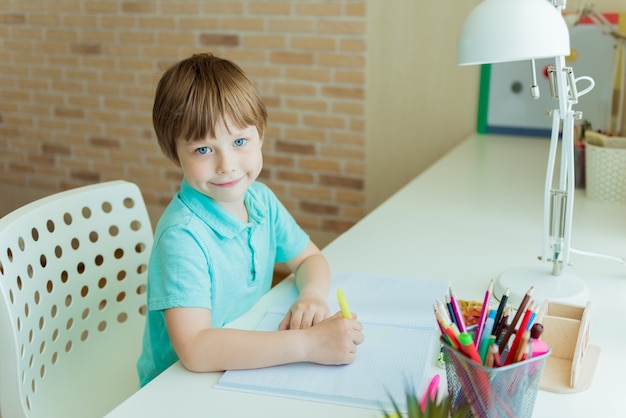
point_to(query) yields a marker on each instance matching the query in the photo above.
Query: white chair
(73, 272)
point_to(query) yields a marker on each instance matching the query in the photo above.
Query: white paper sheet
(400, 339)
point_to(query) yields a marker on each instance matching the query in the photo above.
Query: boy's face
(223, 167)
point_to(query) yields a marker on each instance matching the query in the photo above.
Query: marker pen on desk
(431, 392)
(343, 304)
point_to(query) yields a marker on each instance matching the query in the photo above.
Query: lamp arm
(567, 150)
(547, 236)
(559, 199)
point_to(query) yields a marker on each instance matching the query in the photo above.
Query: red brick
(86, 48)
(217, 39)
(295, 176)
(103, 142)
(68, 113)
(138, 7)
(12, 18)
(55, 149)
(282, 57)
(348, 182)
(318, 208)
(290, 147)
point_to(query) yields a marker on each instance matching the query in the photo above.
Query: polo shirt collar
(218, 218)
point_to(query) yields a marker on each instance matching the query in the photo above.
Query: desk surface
(473, 214)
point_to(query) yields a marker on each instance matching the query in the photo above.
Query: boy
(216, 243)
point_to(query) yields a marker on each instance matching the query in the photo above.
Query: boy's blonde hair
(196, 94)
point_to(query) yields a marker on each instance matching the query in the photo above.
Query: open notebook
(400, 340)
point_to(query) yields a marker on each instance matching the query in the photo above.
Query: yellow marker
(343, 304)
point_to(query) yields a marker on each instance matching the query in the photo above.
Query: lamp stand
(555, 283)
(567, 287)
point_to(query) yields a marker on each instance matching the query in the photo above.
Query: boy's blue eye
(240, 142)
(203, 150)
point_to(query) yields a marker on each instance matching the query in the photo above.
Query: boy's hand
(305, 312)
(335, 340)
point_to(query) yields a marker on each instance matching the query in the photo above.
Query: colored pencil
(522, 350)
(518, 314)
(450, 309)
(483, 314)
(500, 311)
(503, 325)
(491, 353)
(456, 308)
(510, 358)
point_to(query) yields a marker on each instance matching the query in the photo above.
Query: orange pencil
(523, 347)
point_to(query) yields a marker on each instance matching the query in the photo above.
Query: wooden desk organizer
(573, 360)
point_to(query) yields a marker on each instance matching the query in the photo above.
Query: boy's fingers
(284, 324)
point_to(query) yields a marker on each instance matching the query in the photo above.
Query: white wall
(419, 103)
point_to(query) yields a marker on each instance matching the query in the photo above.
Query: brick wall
(77, 81)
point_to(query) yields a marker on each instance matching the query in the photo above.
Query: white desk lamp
(516, 30)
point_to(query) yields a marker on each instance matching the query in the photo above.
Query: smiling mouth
(228, 184)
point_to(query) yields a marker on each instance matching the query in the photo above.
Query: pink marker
(431, 392)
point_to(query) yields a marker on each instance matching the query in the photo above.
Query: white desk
(473, 214)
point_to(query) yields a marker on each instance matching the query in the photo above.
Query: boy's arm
(312, 275)
(202, 348)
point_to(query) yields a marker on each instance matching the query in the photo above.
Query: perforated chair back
(73, 272)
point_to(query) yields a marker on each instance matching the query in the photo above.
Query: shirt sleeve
(291, 239)
(178, 272)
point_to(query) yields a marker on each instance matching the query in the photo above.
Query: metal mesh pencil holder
(502, 392)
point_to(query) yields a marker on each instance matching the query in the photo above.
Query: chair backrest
(73, 270)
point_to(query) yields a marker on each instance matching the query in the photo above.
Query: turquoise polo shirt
(204, 257)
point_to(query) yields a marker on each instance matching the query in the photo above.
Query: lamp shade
(512, 30)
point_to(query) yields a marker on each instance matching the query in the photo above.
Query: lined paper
(400, 342)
